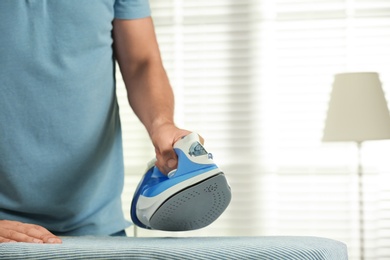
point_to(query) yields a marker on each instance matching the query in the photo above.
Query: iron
(191, 197)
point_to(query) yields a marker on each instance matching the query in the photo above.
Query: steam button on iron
(190, 197)
(171, 173)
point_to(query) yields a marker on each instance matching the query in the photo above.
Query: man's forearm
(149, 92)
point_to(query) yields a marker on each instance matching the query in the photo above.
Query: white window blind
(254, 78)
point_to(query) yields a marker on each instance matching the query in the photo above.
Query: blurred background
(254, 78)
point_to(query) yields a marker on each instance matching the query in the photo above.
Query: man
(61, 166)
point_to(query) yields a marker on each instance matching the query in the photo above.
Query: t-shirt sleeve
(131, 9)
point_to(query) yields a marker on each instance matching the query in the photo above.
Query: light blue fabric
(286, 248)
(61, 162)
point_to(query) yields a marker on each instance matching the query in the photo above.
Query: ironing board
(180, 248)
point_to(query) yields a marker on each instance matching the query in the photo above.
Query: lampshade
(357, 109)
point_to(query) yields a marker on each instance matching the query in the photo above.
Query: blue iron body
(190, 197)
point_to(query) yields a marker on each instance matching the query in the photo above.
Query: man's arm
(149, 92)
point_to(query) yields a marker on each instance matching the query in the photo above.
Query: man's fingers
(20, 237)
(166, 161)
(6, 240)
(42, 234)
(166, 156)
(20, 232)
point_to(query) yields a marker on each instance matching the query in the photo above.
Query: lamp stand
(361, 200)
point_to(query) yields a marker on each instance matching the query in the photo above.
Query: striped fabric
(180, 248)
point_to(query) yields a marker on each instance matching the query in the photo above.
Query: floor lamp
(357, 112)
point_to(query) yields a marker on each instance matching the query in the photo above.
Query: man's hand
(14, 231)
(163, 140)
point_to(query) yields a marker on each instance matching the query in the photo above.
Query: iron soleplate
(193, 207)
